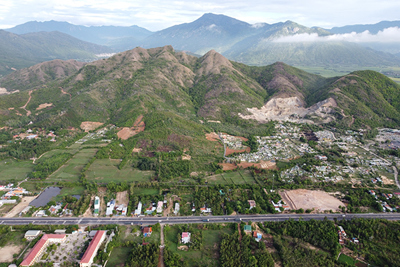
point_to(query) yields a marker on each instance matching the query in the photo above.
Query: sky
(156, 15)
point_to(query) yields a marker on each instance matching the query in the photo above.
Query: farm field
(237, 177)
(69, 191)
(106, 170)
(71, 170)
(207, 255)
(119, 256)
(11, 169)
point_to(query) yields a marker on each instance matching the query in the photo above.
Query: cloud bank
(389, 35)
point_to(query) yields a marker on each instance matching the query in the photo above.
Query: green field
(237, 177)
(346, 259)
(70, 172)
(11, 169)
(145, 191)
(203, 257)
(106, 170)
(69, 191)
(119, 256)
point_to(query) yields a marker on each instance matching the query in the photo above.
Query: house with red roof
(40, 246)
(91, 251)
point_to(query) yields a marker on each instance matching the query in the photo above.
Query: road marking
(79, 221)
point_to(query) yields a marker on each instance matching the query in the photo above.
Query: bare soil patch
(385, 180)
(6, 253)
(138, 126)
(136, 150)
(45, 105)
(231, 151)
(308, 199)
(22, 205)
(88, 212)
(123, 198)
(227, 166)
(185, 248)
(90, 125)
(212, 137)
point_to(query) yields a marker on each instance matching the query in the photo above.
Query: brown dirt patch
(123, 198)
(45, 105)
(88, 212)
(138, 126)
(310, 199)
(17, 209)
(90, 125)
(186, 157)
(385, 180)
(169, 207)
(231, 151)
(227, 166)
(212, 137)
(136, 150)
(6, 253)
(185, 248)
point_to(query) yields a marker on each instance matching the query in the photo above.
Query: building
(138, 211)
(110, 207)
(32, 234)
(40, 246)
(252, 203)
(176, 208)
(247, 229)
(91, 251)
(160, 206)
(185, 237)
(147, 231)
(96, 205)
(257, 236)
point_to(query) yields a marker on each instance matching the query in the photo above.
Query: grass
(70, 172)
(119, 256)
(11, 169)
(237, 177)
(106, 170)
(346, 259)
(145, 191)
(69, 191)
(30, 186)
(6, 208)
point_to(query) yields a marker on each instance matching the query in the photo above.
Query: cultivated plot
(11, 169)
(106, 170)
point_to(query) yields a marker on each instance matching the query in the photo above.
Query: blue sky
(159, 14)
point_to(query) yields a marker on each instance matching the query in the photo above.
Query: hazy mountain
(118, 37)
(20, 51)
(174, 91)
(372, 28)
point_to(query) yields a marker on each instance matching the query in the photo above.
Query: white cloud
(389, 35)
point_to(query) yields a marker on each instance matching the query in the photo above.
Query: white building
(138, 211)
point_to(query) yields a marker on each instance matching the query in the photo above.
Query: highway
(190, 219)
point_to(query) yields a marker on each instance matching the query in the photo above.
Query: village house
(147, 231)
(32, 234)
(185, 237)
(252, 203)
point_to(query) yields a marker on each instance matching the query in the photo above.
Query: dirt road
(161, 257)
(22, 205)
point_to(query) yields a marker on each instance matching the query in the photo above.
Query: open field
(69, 191)
(6, 253)
(309, 199)
(72, 169)
(20, 206)
(11, 169)
(106, 170)
(236, 177)
(119, 256)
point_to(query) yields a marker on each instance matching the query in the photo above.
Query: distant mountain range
(118, 37)
(372, 28)
(175, 92)
(256, 44)
(20, 51)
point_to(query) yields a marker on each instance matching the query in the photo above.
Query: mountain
(118, 37)
(20, 51)
(220, 33)
(174, 91)
(372, 28)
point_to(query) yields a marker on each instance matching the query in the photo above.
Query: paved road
(191, 219)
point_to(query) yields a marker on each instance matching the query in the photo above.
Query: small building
(60, 231)
(32, 234)
(96, 205)
(185, 237)
(257, 236)
(147, 231)
(41, 213)
(252, 203)
(91, 251)
(138, 211)
(177, 207)
(110, 207)
(159, 206)
(247, 228)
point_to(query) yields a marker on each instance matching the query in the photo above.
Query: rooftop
(92, 246)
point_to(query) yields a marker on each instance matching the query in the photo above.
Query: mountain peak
(212, 63)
